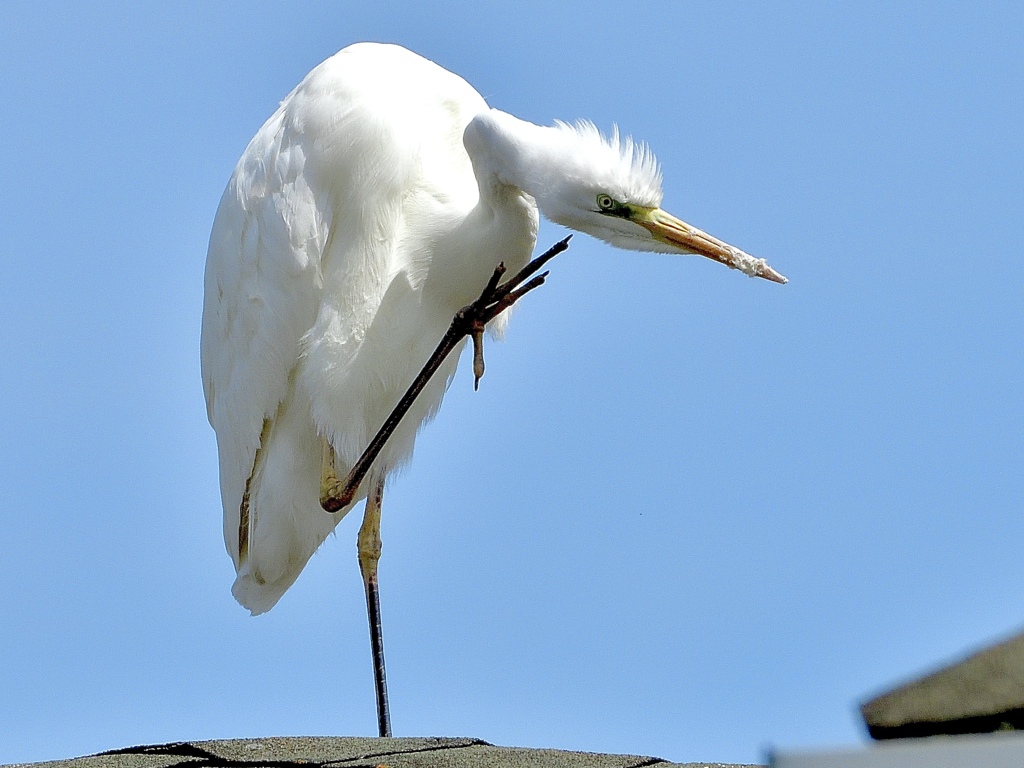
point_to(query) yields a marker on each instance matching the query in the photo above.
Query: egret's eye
(609, 206)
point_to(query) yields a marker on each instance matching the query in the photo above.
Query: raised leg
(469, 321)
(369, 554)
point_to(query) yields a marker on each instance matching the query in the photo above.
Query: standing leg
(369, 554)
(336, 494)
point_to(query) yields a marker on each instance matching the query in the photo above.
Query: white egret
(371, 206)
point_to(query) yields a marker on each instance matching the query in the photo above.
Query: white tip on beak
(666, 228)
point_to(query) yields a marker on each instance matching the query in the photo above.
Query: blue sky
(688, 514)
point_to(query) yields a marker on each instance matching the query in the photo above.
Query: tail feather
(256, 595)
(285, 524)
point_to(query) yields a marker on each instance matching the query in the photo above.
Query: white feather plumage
(322, 295)
(372, 205)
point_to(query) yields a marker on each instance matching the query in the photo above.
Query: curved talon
(478, 355)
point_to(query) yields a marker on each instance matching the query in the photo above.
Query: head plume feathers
(633, 171)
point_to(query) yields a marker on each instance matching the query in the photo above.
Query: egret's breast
(409, 245)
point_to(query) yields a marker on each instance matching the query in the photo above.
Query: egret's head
(610, 187)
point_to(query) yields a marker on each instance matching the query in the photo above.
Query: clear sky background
(688, 514)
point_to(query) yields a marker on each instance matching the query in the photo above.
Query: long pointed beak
(668, 229)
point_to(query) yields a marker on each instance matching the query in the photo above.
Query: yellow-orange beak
(666, 228)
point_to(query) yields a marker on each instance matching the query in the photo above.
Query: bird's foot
(495, 299)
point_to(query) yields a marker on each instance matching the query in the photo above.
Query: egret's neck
(502, 227)
(509, 152)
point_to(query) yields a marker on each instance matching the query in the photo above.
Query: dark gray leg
(369, 554)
